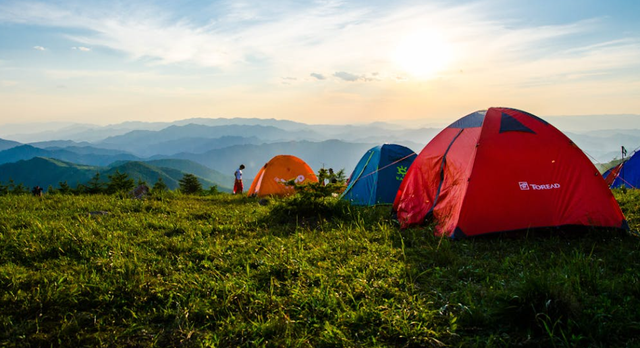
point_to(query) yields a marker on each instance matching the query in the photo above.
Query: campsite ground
(227, 271)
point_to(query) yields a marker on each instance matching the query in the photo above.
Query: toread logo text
(524, 186)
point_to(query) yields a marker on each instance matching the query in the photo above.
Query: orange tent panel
(271, 178)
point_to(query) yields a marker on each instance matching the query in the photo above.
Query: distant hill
(51, 131)
(223, 181)
(87, 156)
(149, 173)
(209, 141)
(47, 171)
(94, 151)
(76, 132)
(282, 124)
(59, 144)
(587, 123)
(330, 154)
(142, 141)
(7, 144)
(200, 145)
(602, 146)
(193, 145)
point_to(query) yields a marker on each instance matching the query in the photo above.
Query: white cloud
(39, 48)
(81, 48)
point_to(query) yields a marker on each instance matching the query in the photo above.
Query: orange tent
(280, 169)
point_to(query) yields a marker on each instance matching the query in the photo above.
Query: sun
(422, 54)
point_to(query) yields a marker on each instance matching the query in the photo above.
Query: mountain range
(221, 144)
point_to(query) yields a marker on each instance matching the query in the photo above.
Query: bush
(119, 182)
(159, 186)
(312, 203)
(189, 184)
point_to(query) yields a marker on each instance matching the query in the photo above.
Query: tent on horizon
(282, 168)
(625, 174)
(378, 175)
(504, 170)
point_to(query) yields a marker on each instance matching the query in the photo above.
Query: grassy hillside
(221, 271)
(150, 174)
(223, 181)
(46, 171)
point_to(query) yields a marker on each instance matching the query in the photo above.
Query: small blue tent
(625, 174)
(378, 175)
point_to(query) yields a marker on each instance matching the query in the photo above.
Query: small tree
(189, 184)
(119, 182)
(3, 190)
(11, 186)
(20, 189)
(212, 191)
(159, 186)
(323, 175)
(95, 186)
(80, 189)
(340, 176)
(64, 188)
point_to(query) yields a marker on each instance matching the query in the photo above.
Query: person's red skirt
(238, 187)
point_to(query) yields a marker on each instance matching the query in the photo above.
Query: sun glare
(422, 54)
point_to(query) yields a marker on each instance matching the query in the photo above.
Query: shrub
(312, 203)
(119, 182)
(189, 184)
(94, 186)
(159, 186)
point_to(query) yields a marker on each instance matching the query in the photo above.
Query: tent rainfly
(504, 170)
(282, 168)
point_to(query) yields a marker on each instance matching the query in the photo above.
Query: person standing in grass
(238, 187)
(37, 191)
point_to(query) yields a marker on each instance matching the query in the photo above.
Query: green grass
(226, 271)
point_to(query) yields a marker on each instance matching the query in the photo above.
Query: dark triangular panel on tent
(530, 115)
(470, 121)
(508, 123)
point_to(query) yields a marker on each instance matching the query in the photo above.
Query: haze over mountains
(212, 148)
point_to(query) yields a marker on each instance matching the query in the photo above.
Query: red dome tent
(503, 170)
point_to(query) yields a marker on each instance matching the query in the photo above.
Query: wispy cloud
(330, 35)
(318, 76)
(81, 48)
(39, 48)
(294, 39)
(347, 76)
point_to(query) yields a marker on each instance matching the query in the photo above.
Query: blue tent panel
(629, 174)
(378, 175)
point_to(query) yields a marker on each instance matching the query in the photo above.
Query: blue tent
(626, 174)
(378, 175)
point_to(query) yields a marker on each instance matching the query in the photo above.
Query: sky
(320, 62)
